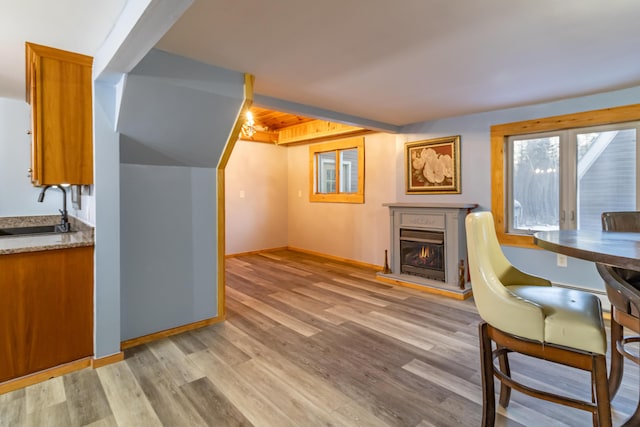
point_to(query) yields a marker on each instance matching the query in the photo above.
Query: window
(563, 172)
(343, 183)
(567, 179)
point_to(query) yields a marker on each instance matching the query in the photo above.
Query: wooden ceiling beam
(275, 127)
(262, 136)
(316, 130)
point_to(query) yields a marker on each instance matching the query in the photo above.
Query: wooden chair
(525, 314)
(623, 290)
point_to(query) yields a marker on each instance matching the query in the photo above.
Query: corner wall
(256, 198)
(357, 232)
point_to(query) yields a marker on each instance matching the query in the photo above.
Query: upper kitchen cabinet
(59, 92)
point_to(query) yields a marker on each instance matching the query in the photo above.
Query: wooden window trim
(499, 135)
(345, 144)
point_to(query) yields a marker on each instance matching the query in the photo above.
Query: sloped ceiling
(176, 111)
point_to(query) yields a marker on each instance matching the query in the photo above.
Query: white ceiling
(75, 25)
(396, 62)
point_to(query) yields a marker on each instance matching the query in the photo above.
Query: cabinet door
(59, 91)
(46, 309)
(34, 169)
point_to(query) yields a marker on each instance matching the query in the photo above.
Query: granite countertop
(81, 235)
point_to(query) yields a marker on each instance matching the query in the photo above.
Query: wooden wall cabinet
(59, 90)
(46, 309)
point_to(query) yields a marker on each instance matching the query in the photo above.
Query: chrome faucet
(64, 225)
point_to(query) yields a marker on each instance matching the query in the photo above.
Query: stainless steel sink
(36, 229)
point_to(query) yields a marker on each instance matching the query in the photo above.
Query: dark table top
(606, 247)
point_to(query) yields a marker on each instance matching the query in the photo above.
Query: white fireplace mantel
(444, 217)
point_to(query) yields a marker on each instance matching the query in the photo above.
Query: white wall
(256, 197)
(353, 231)
(18, 196)
(276, 211)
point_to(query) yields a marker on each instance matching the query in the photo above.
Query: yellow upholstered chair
(525, 314)
(623, 290)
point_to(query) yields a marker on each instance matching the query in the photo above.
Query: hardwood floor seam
(307, 341)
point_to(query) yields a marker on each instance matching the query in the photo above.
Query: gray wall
(168, 247)
(138, 28)
(107, 241)
(476, 172)
(175, 117)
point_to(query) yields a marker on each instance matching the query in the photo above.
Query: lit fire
(424, 252)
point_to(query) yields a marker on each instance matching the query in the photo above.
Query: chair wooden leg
(617, 361)
(599, 406)
(505, 390)
(599, 377)
(486, 367)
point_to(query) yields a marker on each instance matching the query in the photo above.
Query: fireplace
(428, 248)
(422, 253)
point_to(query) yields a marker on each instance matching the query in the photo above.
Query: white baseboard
(602, 294)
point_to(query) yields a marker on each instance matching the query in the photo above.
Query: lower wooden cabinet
(46, 309)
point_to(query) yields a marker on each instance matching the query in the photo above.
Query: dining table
(615, 248)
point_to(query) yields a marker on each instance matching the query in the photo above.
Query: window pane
(535, 184)
(606, 175)
(349, 171)
(326, 167)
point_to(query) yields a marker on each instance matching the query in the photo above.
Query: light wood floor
(308, 342)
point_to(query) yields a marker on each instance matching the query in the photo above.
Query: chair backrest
(621, 221)
(624, 285)
(492, 274)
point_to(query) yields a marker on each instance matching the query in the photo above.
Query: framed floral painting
(433, 166)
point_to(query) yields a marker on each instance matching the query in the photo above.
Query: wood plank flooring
(307, 342)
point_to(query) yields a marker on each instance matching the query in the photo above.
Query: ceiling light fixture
(248, 127)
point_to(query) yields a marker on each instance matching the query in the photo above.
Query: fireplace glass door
(422, 253)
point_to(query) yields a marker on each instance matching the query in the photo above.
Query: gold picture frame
(433, 166)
